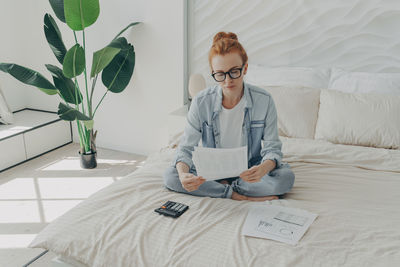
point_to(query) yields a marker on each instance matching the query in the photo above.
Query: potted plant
(115, 63)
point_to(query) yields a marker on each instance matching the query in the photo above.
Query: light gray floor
(35, 193)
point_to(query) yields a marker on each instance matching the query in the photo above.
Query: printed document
(279, 223)
(219, 163)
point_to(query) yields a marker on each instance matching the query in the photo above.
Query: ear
(245, 68)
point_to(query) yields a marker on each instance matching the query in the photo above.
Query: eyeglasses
(233, 73)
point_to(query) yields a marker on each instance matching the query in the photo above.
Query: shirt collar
(249, 100)
(246, 95)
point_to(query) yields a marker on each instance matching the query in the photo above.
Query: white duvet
(354, 190)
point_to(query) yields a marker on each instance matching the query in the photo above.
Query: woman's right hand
(190, 182)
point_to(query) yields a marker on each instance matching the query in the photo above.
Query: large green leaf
(54, 38)
(29, 77)
(58, 8)
(102, 58)
(65, 85)
(117, 74)
(74, 62)
(70, 114)
(80, 14)
(120, 43)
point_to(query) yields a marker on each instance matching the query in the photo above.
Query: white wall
(15, 48)
(134, 120)
(358, 35)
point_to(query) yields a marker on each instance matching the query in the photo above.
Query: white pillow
(287, 76)
(297, 109)
(359, 119)
(364, 82)
(6, 116)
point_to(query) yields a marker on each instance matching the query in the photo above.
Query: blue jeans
(277, 182)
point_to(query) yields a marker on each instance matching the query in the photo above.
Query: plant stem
(87, 131)
(86, 84)
(76, 40)
(84, 140)
(91, 93)
(100, 102)
(80, 136)
(76, 84)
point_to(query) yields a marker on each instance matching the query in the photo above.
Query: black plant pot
(88, 160)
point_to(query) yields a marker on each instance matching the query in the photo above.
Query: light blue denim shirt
(260, 129)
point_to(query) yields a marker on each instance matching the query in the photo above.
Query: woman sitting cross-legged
(232, 114)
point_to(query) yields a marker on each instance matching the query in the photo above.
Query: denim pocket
(257, 129)
(256, 133)
(257, 124)
(208, 135)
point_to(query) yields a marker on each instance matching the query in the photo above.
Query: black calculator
(173, 209)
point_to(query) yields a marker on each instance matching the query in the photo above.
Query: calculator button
(167, 212)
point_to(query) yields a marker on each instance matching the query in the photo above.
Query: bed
(354, 191)
(343, 148)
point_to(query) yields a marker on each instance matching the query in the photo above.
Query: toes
(237, 196)
(263, 198)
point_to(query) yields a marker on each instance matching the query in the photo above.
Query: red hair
(225, 43)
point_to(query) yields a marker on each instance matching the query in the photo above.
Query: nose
(228, 78)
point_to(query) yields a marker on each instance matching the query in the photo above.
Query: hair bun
(222, 35)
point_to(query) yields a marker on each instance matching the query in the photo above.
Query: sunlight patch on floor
(21, 211)
(18, 188)
(16, 241)
(33, 200)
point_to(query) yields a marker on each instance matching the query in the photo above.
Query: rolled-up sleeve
(191, 136)
(271, 144)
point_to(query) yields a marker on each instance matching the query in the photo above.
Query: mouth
(230, 86)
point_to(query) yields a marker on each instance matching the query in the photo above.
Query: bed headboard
(357, 35)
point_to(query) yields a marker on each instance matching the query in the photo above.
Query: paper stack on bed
(279, 223)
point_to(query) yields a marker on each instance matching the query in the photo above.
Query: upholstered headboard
(357, 35)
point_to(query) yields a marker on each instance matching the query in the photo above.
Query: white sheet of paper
(279, 223)
(219, 163)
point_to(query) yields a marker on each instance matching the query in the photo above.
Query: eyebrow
(229, 69)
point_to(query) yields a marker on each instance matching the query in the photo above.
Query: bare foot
(237, 196)
(262, 198)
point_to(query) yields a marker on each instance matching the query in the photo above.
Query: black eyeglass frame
(229, 73)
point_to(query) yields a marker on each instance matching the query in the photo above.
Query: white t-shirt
(231, 121)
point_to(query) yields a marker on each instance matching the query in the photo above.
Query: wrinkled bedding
(354, 190)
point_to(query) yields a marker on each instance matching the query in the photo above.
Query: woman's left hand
(255, 173)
